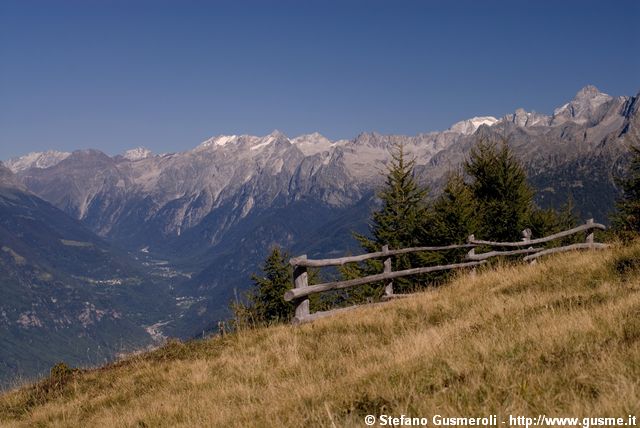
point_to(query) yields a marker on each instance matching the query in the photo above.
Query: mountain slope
(66, 293)
(560, 338)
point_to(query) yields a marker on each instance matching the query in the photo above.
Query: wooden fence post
(471, 253)
(300, 279)
(388, 289)
(526, 237)
(589, 233)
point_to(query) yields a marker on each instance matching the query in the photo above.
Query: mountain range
(185, 230)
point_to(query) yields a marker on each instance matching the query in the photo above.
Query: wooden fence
(299, 294)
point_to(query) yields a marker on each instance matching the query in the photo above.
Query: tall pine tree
(404, 206)
(398, 223)
(626, 219)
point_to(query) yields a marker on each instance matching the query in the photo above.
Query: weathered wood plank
(587, 226)
(302, 310)
(388, 289)
(484, 256)
(299, 261)
(297, 293)
(589, 239)
(585, 246)
(301, 281)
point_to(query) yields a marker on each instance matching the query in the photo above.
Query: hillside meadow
(561, 337)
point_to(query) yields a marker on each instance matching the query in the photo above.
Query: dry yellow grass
(558, 338)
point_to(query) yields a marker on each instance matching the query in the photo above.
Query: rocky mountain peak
(583, 106)
(470, 126)
(137, 154)
(277, 135)
(5, 174)
(36, 160)
(8, 178)
(371, 139)
(523, 118)
(219, 140)
(313, 143)
(314, 137)
(587, 93)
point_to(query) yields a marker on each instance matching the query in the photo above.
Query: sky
(166, 75)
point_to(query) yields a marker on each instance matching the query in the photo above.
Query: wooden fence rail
(302, 289)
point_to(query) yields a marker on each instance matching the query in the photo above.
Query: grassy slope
(561, 338)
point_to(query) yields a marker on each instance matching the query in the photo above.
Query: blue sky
(166, 75)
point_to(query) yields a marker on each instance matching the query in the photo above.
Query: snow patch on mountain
(311, 144)
(265, 143)
(220, 140)
(470, 126)
(36, 160)
(137, 154)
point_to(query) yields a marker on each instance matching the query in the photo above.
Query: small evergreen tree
(545, 222)
(454, 213)
(453, 219)
(626, 219)
(499, 185)
(265, 302)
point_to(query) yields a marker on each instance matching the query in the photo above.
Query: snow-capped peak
(265, 141)
(314, 138)
(470, 126)
(219, 140)
(137, 154)
(276, 134)
(310, 144)
(36, 160)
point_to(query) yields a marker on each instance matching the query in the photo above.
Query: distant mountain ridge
(213, 211)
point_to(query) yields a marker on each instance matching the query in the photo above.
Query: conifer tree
(265, 302)
(499, 185)
(626, 219)
(403, 208)
(399, 222)
(548, 221)
(454, 213)
(453, 219)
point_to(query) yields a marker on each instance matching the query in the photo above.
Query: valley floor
(560, 338)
